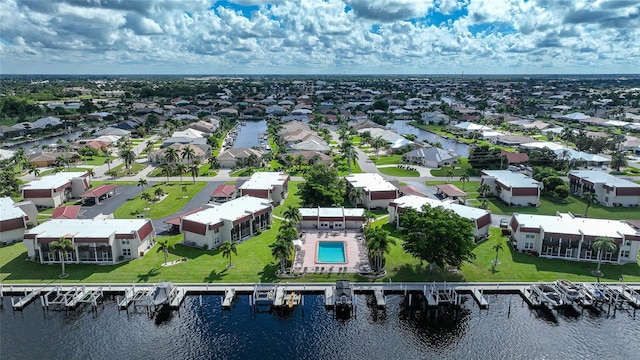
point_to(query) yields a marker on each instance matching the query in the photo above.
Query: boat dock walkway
(287, 294)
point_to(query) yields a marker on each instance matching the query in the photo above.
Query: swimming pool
(331, 252)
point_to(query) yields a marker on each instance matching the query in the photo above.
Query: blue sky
(319, 36)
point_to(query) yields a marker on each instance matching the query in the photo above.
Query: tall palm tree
(497, 247)
(299, 161)
(181, 169)
(148, 147)
(165, 246)
(158, 192)
(464, 178)
(193, 169)
(91, 172)
(189, 154)
(128, 156)
(62, 246)
(378, 243)
(229, 247)
(349, 153)
(108, 161)
(281, 250)
(166, 169)
(589, 197)
(143, 183)
(603, 245)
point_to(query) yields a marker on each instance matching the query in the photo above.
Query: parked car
(504, 223)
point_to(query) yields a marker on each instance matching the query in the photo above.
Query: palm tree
(158, 192)
(171, 155)
(146, 197)
(34, 170)
(365, 137)
(128, 156)
(143, 183)
(378, 143)
(589, 197)
(378, 243)
(299, 160)
(193, 169)
(91, 173)
(497, 247)
(184, 190)
(450, 174)
(618, 160)
(464, 178)
(181, 169)
(166, 169)
(148, 147)
(355, 195)
(189, 154)
(281, 250)
(602, 244)
(165, 246)
(229, 247)
(292, 214)
(349, 153)
(108, 161)
(63, 246)
(484, 189)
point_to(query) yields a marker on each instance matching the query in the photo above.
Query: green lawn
(387, 159)
(394, 171)
(97, 160)
(572, 204)
(254, 263)
(72, 169)
(121, 170)
(171, 204)
(461, 167)
(292, 200)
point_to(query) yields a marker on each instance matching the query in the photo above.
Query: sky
(446, 37)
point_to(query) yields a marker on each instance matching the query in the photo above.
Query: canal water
(36, 146)
(508, 330)
(248, 134)
(404, 127)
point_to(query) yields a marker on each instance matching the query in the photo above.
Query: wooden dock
(479, 298)
(329, 296)
(178, 298)
(632, 296)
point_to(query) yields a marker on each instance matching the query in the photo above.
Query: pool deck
(355, 252)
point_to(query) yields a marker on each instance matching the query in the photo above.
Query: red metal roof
(224, 191)
(66, 212)
(515, 158)
(410, 190)
(99, 191)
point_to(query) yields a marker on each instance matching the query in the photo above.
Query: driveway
(109, 206)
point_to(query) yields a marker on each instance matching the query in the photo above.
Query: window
(217, 230)
(627, 243)
(625, 253)
(530, 236)
(528, 246)
(126, 241)
(126, 252)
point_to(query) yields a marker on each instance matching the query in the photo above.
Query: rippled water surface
(508, 330)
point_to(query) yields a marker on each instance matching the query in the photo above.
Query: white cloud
(296, 36)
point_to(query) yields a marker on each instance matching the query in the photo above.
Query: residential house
(235, 220)
(49, 158)
(435, 117)
(201, 153)
(54, 190)
(94, 240)
(569, 237)
(13, 221)
(231, 157)
(515, 158)
(610, 190)
(377, 192)
(512, 188)
(432, 157)
(313, 157)
(480, 218)
(332, 218)
(395, 141)
(273, 186)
